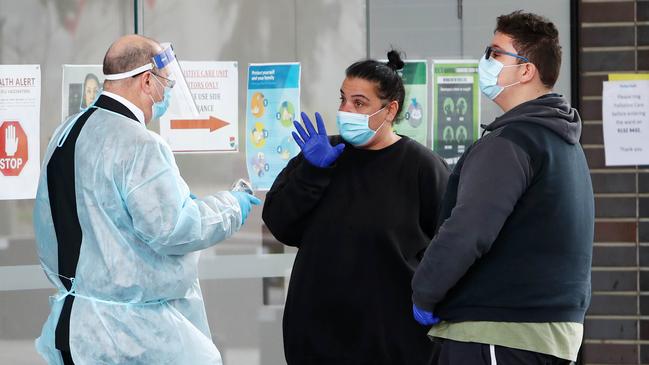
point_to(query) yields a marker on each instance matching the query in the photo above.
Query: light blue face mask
(159, 108)
(488, 71)
(355, 127)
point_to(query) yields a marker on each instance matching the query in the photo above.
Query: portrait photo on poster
(81, 85)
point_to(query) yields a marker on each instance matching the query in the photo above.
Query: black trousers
(449, 352)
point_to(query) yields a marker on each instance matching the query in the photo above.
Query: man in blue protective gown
(117, 230)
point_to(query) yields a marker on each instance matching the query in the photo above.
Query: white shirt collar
(139, 114)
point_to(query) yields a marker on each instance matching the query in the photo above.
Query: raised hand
(315, 145)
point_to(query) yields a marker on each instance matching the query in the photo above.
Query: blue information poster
(272, 103)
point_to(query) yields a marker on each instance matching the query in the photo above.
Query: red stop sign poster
(13, 148)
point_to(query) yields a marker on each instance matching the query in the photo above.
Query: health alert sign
(20, 102)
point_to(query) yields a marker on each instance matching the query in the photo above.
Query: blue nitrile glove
(423, 317)
(246, 201)
(315, 146)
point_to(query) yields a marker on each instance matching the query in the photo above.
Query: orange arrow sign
(212, 123)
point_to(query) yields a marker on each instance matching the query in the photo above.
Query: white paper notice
(20, 107)
(625, 107)
(214, 86)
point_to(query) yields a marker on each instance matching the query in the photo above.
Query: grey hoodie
(551, 111)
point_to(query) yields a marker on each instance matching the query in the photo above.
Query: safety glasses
(497, 51)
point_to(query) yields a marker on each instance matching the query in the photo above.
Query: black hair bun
(394, 60)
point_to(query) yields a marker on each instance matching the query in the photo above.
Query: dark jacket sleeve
(433, 177)
(295, 192)
(495, 174)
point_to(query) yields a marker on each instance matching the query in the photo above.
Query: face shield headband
(159, 61)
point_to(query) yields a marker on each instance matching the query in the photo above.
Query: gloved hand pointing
(423, 317)
(315, 146)
(246, 201)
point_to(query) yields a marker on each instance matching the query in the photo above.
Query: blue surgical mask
(159, 108)
(355, 128)
(488, 71)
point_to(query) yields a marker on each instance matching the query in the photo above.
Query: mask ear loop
(163, 88)
(382, 123)
(381, 126)
(384, 120)
(376, 112)
(516, 65)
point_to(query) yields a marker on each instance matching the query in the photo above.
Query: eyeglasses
(170, 82)
(497, 51)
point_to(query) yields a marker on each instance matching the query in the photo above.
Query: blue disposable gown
(138, 299)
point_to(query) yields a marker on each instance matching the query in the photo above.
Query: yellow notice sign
(628, 77)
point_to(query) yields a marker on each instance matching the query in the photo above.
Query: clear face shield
(182, 102)
(165, 66)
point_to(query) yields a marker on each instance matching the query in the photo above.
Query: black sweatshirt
(516, 243)
(361, 227)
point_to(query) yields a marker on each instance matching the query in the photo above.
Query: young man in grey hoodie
(508, 274)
